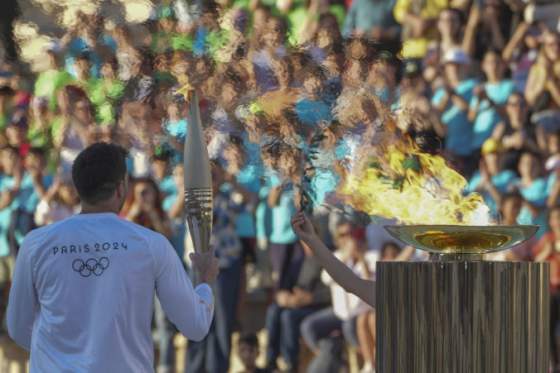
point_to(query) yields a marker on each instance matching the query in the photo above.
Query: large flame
(395, 179)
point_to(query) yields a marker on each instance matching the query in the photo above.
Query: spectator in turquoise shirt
(21, 190)
(534, 188)
(487, 107)
(310, 108)
(452, 102)
(371, 18)
(491, 181)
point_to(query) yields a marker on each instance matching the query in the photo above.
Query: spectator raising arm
(469, 38)
(515, 42)
(365, 289)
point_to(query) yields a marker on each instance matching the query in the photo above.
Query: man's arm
(190, 309)
(23, 304)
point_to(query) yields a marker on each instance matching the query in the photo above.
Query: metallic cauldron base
(462, 317)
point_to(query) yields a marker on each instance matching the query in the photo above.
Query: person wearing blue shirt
(452, 102)
(487, 106)
(491, 181)
(81, 44)
(310, 108)
(273, 224)
(245, 185)
(371, 18)
(175, 127)
(263, 213)
(10, 184)
(34, 185)
(20, 192)
(535, 189)
(311, 112)
(249, 179)
(170, 186)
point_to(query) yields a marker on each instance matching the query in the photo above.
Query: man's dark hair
(250, 339)
(98, 170)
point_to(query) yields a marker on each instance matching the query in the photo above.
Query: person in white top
(347, 310)
(83, 288)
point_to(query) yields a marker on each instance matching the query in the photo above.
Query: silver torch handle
(198, 182)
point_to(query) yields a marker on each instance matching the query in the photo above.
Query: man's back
(91, 280)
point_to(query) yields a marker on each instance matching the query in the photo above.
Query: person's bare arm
(177, 208)
(494, 192)
(499, 41)
(8, 196)
(442, 104)
(459, 101)
(515, 42)
(554, 90)
(499, 131)
(253, 4)
(470, 30)
(536, 83)
(274, 196)
(405, 254)
(543, 255)
(437, 125)
(473, 111)
(161, 225)
(344, 276)
(554, 193)
(37, 180)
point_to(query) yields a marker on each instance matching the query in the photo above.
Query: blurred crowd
(288, 90)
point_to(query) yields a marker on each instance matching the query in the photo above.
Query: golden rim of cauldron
(462, 239)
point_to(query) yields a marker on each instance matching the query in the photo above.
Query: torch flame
(396, 180)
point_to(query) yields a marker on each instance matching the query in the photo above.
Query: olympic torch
(198, 180)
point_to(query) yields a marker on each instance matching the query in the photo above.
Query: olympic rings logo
(92, 265)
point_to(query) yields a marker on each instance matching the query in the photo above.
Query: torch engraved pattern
(198, 207)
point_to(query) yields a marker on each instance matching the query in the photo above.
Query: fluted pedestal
(462, 317)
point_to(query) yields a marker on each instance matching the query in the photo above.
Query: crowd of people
(288, 90)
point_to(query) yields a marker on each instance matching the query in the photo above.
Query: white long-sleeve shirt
(83, 292)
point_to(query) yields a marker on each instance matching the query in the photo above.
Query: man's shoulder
(38, 235)
(73, 224)
(151, 236)
(45, 230)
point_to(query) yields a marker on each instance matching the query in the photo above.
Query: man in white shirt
(83, 288)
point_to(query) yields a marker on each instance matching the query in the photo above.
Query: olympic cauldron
(458, 313)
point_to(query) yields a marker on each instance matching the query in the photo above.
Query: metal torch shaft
(198, 182)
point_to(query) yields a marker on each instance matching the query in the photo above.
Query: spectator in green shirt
(51, 80)
(106, 92)
(84, 80)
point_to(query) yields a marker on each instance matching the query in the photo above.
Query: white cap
(456, 55)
